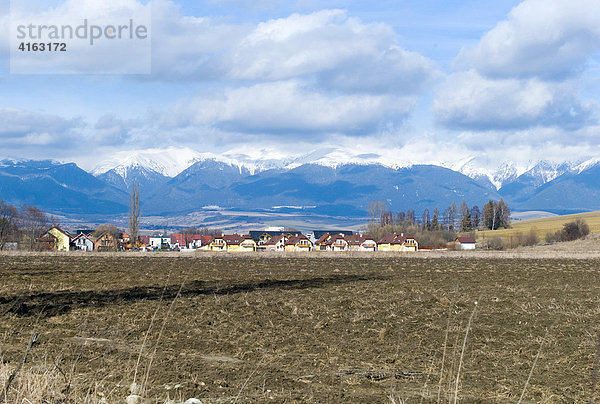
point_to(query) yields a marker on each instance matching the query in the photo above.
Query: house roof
(357, 239)
(335, 238)
(323, 238)
(232, 239)
(83, 235)
(395, 238)
(274, 240)
(465, 240)
(205, 240)
(256, 234)
(66, 233)
(295, 239)
(319, 233)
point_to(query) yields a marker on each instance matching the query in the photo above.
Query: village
(56, 239)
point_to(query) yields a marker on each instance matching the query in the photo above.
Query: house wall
(84, 244)
(467, 246)
(62, 240)
(246, 246)
(218, 246)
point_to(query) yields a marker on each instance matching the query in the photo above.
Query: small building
(358, 242)
(277, 243)
(322, 243)
(298, 242)
(107, 242)
(84, 242)
(202, 242)
(398, 242)
(56, 239)
(261, 238)
(337, 242)
(160, 242)
(218, 244)
(248, 244)
(191, 241)
(465, 243)
(236, 243)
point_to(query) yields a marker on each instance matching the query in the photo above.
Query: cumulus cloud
(327, 47)
(525, 72)
(289, 107)
(113, 130)
(341, 52)
(20, 127)
(548, 39)
(469, 101)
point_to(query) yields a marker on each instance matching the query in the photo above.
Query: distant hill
(58, 188)
(543, 226)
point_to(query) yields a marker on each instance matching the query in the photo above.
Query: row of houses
(83, 240)
(59, 240)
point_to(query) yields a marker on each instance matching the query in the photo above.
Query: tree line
(24, 225)
(493, 216)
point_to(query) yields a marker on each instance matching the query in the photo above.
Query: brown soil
(316, 329)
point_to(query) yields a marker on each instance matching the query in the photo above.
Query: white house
(157, 242)
(83, 243)
(465, 243)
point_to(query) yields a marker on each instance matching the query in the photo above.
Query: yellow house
(248, 244)
(233, 243)
(398, 243)
(218, 244)
(298, 242)
(62, 239)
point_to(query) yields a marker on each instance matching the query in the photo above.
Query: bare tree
(8, 216)
(33, 223)
(376, 209)
(426, 220)
(134, 214)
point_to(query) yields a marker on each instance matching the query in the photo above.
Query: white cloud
(469, 101)
(288, 107)
(18, 124)
(326, 47)
(549, 39)
(341, 52)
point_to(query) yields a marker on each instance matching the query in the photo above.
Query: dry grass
(300, 329)
(543, 226)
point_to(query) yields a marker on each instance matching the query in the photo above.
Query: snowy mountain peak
(544, 171)
(586, 165)
(483, 169)
(168, 162)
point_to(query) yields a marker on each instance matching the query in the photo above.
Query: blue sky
(412, 81)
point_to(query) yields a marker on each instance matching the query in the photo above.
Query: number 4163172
(43, 47)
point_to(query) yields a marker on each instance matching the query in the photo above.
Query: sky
(409, 81)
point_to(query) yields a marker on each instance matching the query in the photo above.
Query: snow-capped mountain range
(172, 161)
(334, 182)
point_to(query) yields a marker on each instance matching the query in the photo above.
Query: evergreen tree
(435, 221)
(466, 224)
(475, 217)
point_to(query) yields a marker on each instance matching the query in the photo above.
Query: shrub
(571, 231)
(493, 244)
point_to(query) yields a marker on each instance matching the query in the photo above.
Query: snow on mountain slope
(169, 162)
(579, 168)
(480, 168)
(545, 171)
